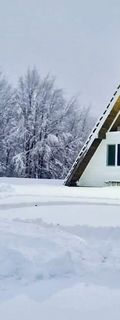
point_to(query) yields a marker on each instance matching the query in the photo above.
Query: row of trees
(40, 131)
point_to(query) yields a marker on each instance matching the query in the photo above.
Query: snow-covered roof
(94, 139)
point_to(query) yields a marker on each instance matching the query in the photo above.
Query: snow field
(59, 251)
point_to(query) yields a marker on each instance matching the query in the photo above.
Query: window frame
(118, 155)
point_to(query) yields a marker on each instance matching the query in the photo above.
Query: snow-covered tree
(40, 131)
(7, 126)
(50, 129)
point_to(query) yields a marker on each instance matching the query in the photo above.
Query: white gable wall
(97, 173)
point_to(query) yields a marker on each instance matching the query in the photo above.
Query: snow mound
(32, 250)
(12, 264)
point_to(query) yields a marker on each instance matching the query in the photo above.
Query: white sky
(77, 41)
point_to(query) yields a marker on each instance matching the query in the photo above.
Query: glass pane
(118, 155)
(111, 155)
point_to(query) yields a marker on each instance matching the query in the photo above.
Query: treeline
(40, 131)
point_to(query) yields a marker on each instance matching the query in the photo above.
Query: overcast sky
(77, 41)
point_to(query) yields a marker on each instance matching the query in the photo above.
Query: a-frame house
(98, 163)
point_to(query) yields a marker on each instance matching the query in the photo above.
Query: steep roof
(98, 133)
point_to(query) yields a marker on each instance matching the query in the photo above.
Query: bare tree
(7, 126)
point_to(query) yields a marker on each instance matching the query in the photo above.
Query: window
(111, 155)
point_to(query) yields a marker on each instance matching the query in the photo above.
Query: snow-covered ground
(59, 251)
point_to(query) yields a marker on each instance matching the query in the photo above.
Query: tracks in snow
(83, 202)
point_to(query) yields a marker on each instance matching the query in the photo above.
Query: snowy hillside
(59, 251)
